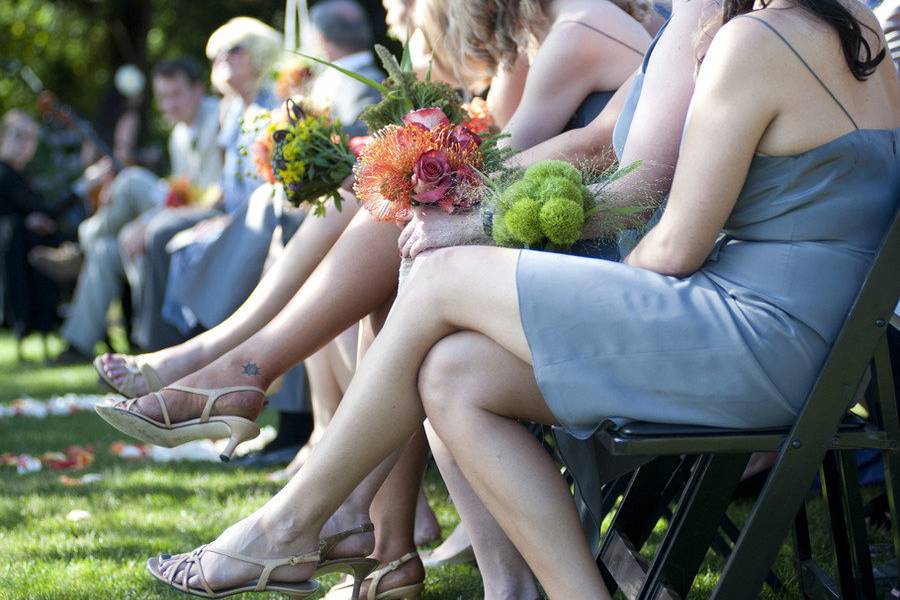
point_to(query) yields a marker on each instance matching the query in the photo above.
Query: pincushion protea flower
(413, 165)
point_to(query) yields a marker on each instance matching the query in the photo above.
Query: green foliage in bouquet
(311, 158)
(547, 206)
(402, 92)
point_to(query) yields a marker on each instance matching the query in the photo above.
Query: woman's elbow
(666, 262)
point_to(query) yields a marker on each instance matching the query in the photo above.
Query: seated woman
(363, 245)
(28, 298)
(766, 128)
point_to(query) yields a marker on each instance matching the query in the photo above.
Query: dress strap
(805, 64)
(604, 34)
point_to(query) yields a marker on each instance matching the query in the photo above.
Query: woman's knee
(449, 379)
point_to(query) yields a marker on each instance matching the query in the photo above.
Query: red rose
(358, 144)
(465, 137)
(427, 117)
(431, 177)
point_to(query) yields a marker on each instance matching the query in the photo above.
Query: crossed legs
(303, 253)
(382, 409)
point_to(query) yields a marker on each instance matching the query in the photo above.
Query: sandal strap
(269, 564)
(162, 408)
(212, 395)
(328, 543)
(151, 378)
(379, 573)
(187, 562)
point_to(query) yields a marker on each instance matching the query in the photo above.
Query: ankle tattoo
(251, 369)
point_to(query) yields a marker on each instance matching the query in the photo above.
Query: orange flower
(262, 156)
(384, 172)
(479, 116)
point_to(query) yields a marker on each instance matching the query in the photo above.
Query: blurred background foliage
(75, 46)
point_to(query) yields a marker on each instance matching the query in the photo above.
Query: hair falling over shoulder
(491, 34)
(861, 59)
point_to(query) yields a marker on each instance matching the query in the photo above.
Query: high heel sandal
(129, 386)
(405, 592)
(260, 584)
(358, 567)
(168, 434)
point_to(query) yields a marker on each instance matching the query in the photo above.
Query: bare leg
(504, 572)
(303, 253)
(358, 275)
(381, 410)
(515, 478)
(427, 527)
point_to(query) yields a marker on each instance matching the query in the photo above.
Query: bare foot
(410, 572)
(457, 548)
(254, 537)
(182, 406)
(345, 519)
(427, 528)
(169, 365)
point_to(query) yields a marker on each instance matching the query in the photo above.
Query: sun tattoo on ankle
(251, 369)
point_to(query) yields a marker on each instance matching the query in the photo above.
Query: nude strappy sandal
(358, 567)
(129, 386)
(168, 434)
(261, 584)
(406, 592)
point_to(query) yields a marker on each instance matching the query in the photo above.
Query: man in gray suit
(343, 34)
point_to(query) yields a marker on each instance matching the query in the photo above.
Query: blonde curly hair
(475, 39)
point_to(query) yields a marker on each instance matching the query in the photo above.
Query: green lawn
(141, 509)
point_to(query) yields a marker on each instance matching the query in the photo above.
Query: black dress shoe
(272, 458)
(69, 356)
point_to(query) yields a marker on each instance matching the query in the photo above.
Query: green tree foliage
(74, 46)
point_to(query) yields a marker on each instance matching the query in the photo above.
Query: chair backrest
(854, 347)
(812, 434)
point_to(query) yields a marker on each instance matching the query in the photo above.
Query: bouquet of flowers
(183, 193)
(425, 161)
(307, 153)
(422, 150)
(547, 206)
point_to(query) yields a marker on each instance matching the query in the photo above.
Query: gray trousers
(133, 192)
(149, 330)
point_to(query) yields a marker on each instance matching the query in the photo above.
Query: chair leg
(694, 524)
(727, 536)
(841, 490)
(814, 583)
(649, 492)
(883, 395)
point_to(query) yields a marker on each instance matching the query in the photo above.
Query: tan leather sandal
(237, 429)
(343, 591)
(261, 584)
(136, 369)
(358, 567)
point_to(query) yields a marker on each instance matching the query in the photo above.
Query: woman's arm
(732, 106)
(564, 72)
(506, 91)
(591, 143)
(658, 121)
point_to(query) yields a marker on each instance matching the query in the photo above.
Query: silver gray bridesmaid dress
(738, 343)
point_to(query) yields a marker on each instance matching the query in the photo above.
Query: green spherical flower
(500, 233)
(560, 187)
(523, 220)
(553, 168)
(562, 220)
(517, 191)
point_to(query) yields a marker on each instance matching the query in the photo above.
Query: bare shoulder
(743, 50)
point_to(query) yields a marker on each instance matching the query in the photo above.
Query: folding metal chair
(713, 459)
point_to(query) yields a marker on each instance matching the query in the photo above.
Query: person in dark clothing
(28, 298)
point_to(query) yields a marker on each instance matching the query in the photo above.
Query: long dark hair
(857, 50)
